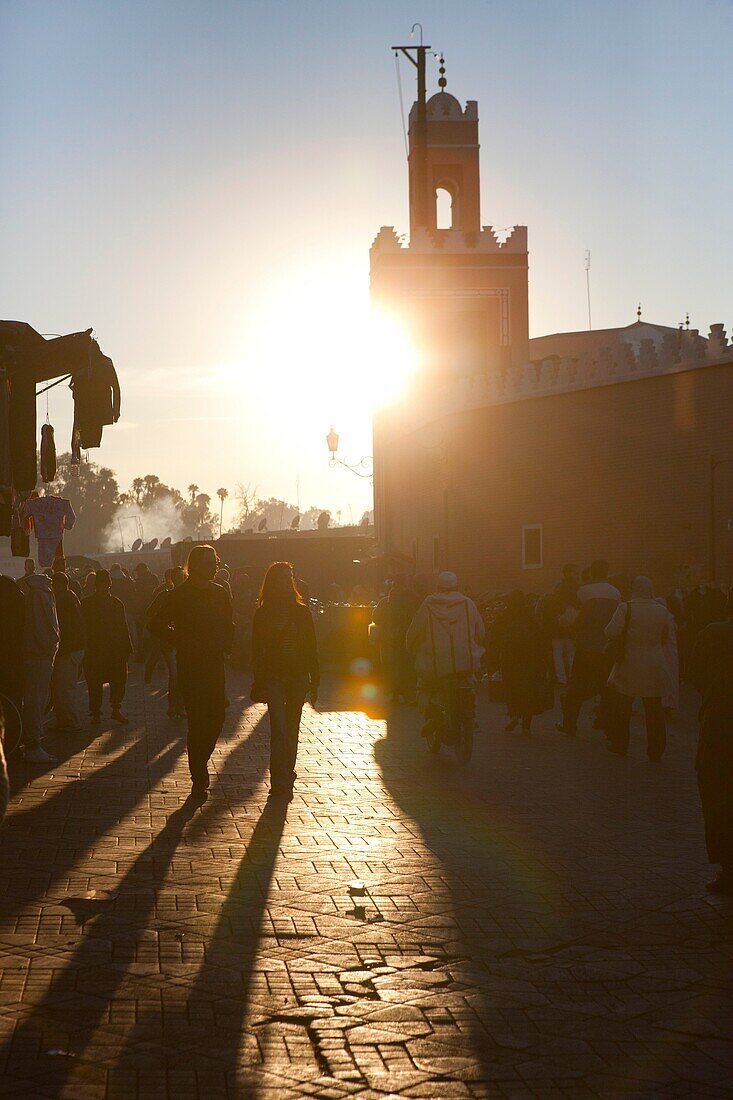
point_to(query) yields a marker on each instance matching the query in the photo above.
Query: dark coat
(12, 613)
(107, 637)
(712, 673)
(284, 647)
(144, 586)
(71, 622)
(197, 621)
(524, 663)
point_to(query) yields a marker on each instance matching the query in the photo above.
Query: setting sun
(344, 356)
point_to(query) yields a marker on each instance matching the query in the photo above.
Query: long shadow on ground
(127, 937)
(577, 933)
(213, 1057)
(80, 997)
(66, 824)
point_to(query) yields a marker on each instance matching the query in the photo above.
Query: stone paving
(536, 923)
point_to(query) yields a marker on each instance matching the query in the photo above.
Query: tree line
(108, 517)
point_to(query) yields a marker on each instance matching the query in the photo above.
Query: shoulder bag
(615, 648)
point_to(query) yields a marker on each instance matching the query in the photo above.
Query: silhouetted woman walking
(285, 667)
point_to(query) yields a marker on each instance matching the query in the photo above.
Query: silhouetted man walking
(712, 674)
(197, 617)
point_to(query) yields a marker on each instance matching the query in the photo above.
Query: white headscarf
(642, 589)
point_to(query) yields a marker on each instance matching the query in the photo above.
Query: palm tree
(222, 495)
(137, 489)
(193, 490)
(151, 483)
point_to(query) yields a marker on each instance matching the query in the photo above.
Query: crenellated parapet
(488, 240)
(624, 362)
(678, 352)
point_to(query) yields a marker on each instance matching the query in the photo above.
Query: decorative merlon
(677, 353)
(453, 240)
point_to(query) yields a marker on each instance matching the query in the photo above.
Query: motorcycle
(451, 716)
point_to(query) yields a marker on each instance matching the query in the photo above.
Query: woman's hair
(272, 593)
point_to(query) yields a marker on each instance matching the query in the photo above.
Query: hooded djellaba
(446, 636)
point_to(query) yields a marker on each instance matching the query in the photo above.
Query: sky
(201, 181)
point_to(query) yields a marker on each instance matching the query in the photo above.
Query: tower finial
(441, 80)
(638, 312)
(687, 322)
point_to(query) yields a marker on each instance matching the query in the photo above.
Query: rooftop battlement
(453, 240)
(679, 352)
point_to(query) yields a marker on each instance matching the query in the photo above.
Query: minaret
(448, 161)
(461, 291)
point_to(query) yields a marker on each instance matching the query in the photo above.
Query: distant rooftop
(589, 342)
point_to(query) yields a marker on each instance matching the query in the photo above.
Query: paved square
(535, 923)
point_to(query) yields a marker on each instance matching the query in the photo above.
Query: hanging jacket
(96, 392)
(48, 454)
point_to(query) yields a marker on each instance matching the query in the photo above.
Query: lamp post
(366, 463)
(222, 495)
(714, 464)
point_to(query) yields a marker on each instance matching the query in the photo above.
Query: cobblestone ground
(536, 922)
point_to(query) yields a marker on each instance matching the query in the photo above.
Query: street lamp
(222, 495)
(366, 463)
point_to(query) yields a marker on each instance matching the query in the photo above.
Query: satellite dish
(188, 538)
(323, 521)
(262, 526)
(137, 544)
(364, 520)
(152, 544)
(166, 543)
(295, 523)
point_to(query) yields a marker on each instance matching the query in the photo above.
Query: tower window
(443, 208)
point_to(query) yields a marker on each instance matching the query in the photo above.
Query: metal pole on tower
(418, 156)
(587, 284)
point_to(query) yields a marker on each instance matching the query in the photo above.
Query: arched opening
(443, 208)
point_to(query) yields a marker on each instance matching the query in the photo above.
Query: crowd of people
(586, 639)
(58, 626)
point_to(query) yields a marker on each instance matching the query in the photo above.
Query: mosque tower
(460, 287)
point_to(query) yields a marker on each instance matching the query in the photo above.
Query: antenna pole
(418, 157)
(587, 284)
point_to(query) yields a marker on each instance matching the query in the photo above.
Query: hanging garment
(20, 543)
(75, 449)
(51, 516)
(48, 454)
(96, 397)
(23, 430)
(21, 354)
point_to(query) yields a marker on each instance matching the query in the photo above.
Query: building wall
(620, 471)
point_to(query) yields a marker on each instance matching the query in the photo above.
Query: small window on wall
(532, 546)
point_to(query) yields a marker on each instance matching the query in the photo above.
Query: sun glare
(324, 340)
